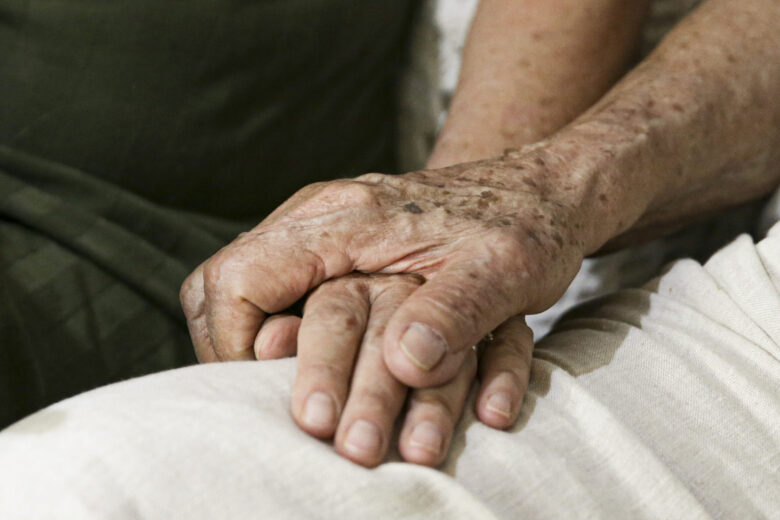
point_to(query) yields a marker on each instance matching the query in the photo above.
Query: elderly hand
(344, 388)
(491, 239)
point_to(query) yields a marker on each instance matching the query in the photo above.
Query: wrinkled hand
(492, 239)
(344, 388)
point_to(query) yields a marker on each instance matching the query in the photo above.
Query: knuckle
(435, 400)
(381, 401)
(394, 284)
(219, 274)
(372, 178)
(457, 307)
(191, 295)
(329, 372)
(349, 193)
(346, 318)
(212, 271)
(504, 245)
(310, 190)
(518, 376)
(516, 368)
(338, 313)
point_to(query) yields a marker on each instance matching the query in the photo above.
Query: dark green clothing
(138, 137)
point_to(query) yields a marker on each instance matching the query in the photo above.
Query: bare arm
(530, 67)
(693, 130)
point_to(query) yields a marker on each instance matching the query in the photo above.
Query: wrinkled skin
(491, 245)
(477, 252)
(341, 335)
(691, 131)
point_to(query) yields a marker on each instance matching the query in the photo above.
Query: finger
(428, 336)
(278, 337)
(192, 299)
(330, 333)
(264, 272)
(375, 396)
(504, 369)
(432, 415)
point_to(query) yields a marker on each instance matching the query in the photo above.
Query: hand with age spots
(491, 239)
(474, 244)
(455, 258)
(457, 251)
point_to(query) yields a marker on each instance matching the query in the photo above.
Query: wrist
(596, 174)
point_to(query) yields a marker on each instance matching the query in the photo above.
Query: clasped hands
(402, 275)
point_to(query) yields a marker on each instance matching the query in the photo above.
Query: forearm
(530, 67)
(694, 129)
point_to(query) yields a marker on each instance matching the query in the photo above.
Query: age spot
(533, 237)
(530, 183)
(412, 208)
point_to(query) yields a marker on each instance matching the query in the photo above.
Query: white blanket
(660, 402)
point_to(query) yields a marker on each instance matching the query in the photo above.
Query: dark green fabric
(224, 107)
(137, 137)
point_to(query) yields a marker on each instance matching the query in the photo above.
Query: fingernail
(500, 403)
(426, 435)
(363, 438)
(423, 346)
(320, 411)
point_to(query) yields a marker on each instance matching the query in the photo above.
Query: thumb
(428, 337)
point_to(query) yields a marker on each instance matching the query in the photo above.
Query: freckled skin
(411, 207)
(641, 165)
(692, 130)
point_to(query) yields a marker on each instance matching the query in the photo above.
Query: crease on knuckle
(330, 371)
(336, 314)
(393, 286)
(518, 372)
(381, 400)
(433, 400)
(458, 308)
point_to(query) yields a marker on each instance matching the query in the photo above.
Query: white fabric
(661, 402)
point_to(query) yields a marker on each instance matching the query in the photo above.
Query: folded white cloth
(659, 402)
